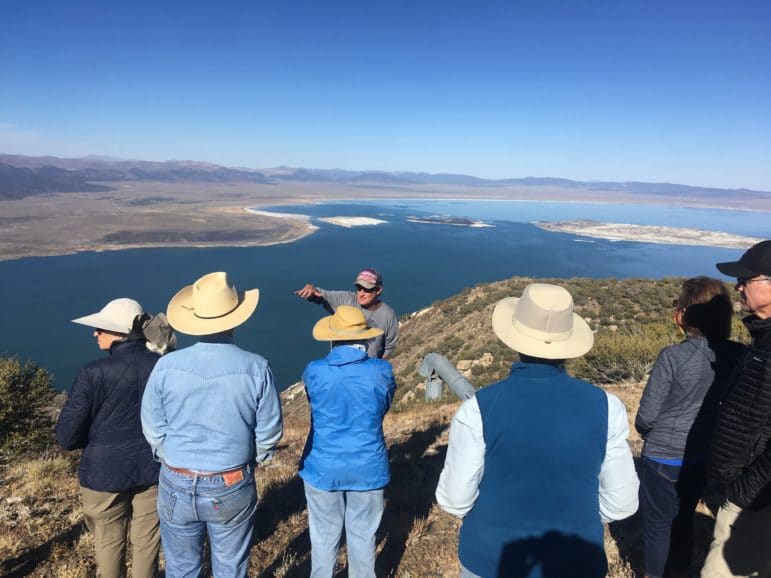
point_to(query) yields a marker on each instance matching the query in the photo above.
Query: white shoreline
(657, 234)
(293, 216)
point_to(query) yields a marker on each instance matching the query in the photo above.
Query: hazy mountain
(22, 176)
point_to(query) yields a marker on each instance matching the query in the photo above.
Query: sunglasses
(360, 288)
(748, 280)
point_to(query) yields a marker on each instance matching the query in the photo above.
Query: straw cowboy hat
(347, 324)
(211, 305)
(117, 316)
(542, 324)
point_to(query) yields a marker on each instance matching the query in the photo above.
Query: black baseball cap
(755, 261)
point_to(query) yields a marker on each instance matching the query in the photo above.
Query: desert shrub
(624, 355)
(26, 393)
(739, 331)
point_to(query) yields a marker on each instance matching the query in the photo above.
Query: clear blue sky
(590, 90)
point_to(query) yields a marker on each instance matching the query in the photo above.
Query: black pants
(668, 498)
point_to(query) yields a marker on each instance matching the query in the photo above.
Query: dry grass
(41, 533)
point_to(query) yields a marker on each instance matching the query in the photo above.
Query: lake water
(420, 263)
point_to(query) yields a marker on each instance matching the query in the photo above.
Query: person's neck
(223, 337)
(372, 306)
(763, 313)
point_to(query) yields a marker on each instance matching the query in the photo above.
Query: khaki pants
(108, 515)
(741, 545)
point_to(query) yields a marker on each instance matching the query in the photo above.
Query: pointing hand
(308, 292)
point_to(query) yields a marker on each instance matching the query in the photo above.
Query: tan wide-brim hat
(542, 324)
(347, 324)
(211, 305)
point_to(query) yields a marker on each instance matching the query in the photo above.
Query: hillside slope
(40, 524)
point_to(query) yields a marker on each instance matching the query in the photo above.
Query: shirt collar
(341, 355)
(540, 367)
(216, 338)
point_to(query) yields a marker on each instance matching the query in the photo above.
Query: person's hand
(308, 292)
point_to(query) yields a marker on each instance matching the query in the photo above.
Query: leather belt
(186, 472)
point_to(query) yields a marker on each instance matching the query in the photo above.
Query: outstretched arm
(308, 292)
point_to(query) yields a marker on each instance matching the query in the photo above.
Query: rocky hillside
(41, 532)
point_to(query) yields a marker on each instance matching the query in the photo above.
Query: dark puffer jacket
(741, 447)
(102, 415)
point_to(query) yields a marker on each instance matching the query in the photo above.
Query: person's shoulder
(96, 367)
(245, 356)
(495, 388)
(729, 348)
(382, 365)
(316, 363)
(387, 309)
(172, 357)
(685, 347)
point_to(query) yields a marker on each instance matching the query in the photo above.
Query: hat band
(350, 332)
(229, 311)
(545, 336)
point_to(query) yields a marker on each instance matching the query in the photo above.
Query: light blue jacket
(349, 394)
(211, 407)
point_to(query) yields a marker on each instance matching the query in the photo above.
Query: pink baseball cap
(368, 278)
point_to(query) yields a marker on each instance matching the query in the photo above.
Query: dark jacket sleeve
(75, 419)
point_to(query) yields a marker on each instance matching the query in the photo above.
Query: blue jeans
(668, 498)
(360, 512)
(191, 506)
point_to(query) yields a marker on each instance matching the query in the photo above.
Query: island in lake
(349, 222)
(649, 233)
(448, 220)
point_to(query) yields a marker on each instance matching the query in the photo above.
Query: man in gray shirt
(366, 296)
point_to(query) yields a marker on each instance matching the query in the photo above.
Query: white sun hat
(118, 316)
(542, 324)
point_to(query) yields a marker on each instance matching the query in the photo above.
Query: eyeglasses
(371, 290)
(748, 280)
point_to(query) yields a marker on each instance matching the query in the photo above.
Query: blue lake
(420, 263)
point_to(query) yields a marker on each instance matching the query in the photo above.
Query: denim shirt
(212, 407)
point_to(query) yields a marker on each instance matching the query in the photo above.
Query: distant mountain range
(22, 176)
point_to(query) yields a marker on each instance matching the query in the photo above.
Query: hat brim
(183, 319)
(365, 284)
(99, 321)
(323, 332)
(580, 341)
(736, 269)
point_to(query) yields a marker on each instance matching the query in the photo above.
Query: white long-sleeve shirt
(464, 465)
